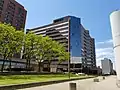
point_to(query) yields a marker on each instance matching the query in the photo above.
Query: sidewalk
(108, 84)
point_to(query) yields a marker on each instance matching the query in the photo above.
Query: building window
(1, 8)
(72, 34)
(0, 12)
(16, 24)
(77, 43)
(5, 19)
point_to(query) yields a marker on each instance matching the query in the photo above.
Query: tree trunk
(3, 64)
(39, 64)
(2, 68)
(29, 64)
(26, 64)
(49, 62)
(57, 67)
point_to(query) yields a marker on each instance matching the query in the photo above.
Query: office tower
(68, 31)
(115, 26)
(107, 66)
(13, 13)
(88, 49)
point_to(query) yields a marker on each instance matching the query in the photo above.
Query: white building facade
(107, 66)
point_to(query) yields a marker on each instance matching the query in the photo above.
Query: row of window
(20, 21)
(11, 3)
(20, 15)
(8, 21)
(11, 12)
(1, 4)
(1, 8)
(11, 7)
(1, 1)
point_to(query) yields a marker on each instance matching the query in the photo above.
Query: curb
(29, 85)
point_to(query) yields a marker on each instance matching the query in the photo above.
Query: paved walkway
(87, 84)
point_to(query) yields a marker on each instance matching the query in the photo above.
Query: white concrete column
(115, 26)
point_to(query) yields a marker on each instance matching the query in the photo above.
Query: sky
(94, 16)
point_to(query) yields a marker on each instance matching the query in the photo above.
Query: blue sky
(93, 13)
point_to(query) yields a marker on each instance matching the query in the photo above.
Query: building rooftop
(55, 21)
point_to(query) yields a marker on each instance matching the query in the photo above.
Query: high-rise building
(107, 66)
(13, 13)
(69, 31)
(88, 49)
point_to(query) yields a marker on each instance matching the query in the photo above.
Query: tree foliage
(29, 48)
(36, 47)
(10, 42)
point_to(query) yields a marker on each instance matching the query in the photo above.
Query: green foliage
(35, 76)
(43, 48)
(10, 40)
(36, 47)
(29, 45)
(6, 37)
(20, 79)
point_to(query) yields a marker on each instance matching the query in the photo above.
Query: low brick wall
(21, 86)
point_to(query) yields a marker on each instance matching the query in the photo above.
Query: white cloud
(104, 42)
(110, 41)
(104, 50)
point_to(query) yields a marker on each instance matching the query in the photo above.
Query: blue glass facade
(75, 37)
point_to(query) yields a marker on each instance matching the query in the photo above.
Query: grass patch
(20, 79)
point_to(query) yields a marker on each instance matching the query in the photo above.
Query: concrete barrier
(72, 86)
(103, 78)
(118, 83)
(28, 85)
(96, 80)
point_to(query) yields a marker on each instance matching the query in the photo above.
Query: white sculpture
(115, 26)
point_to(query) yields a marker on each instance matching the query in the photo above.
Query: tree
(51, 52)
(63, 55)
(40, 50)
(6, 36)
(10, 42)
(29, 48)
(43, 44)
(56, 51)
(48, 50)
(16, 45)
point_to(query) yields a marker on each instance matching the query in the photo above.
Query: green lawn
(19, 79)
